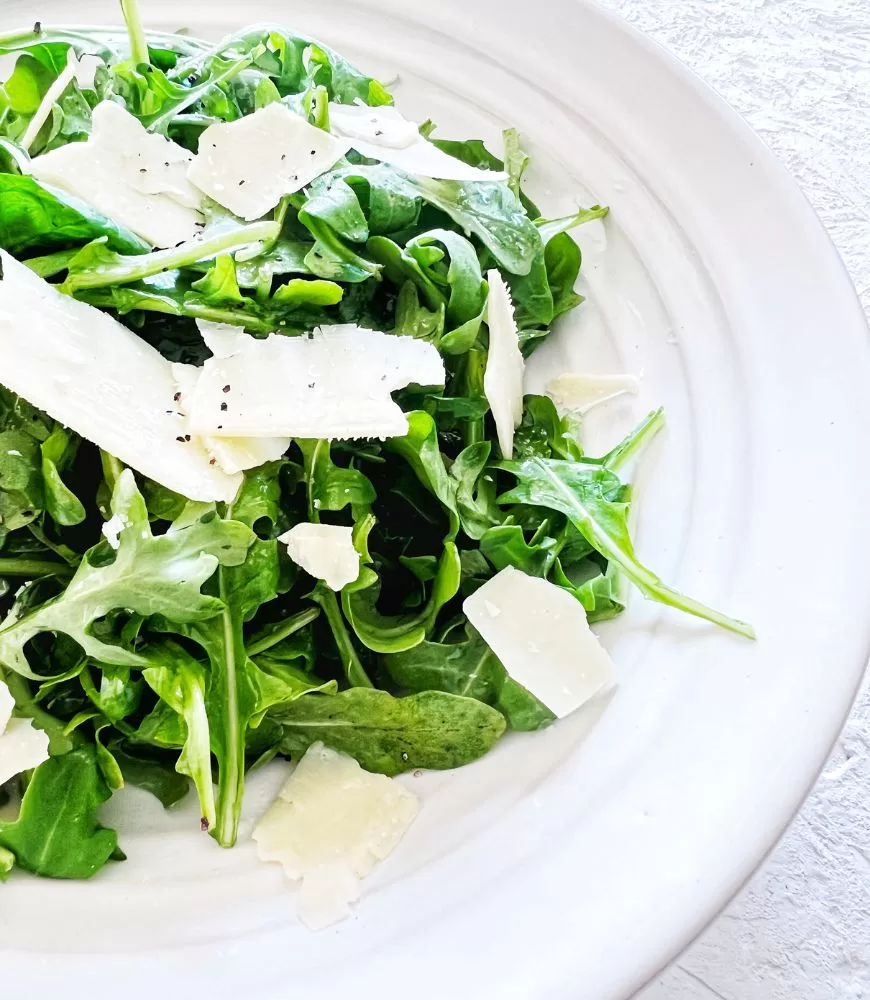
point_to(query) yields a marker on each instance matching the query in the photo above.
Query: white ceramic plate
(555, 870)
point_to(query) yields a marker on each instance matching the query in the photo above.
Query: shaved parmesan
(330, 825)
(582, 392)
(91, 373)
(333, 383)
(324, 551)
(385, 134)
(52, 96)
(505, 368)
(541, 635)
(22, 746)
(250, 164)
(135, 178)
(230, 454)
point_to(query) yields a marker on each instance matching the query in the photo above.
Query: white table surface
(799, 72)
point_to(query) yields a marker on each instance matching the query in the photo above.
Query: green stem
(124, 270)
(269, 638)
(353, 668)
(136, 30)
(639, 438)
(320, 108)
(30, 569)
(472, 380)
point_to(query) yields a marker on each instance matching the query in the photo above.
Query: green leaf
(493, 213)
(37, 217)
(467, 289)
(413, 319)
(593, 499)
(58, 452)
(156, 777)
(475, 490)
(308, 292)
(180, 681)
(96, 266)
(391, 735)
(57, 833)
(543, 432)
(421, 450)
(472, 670)
(22, 496)
(505, 545)
(218, 286)
(283, 257)
(388, 201)
(394, 633)
(331, 487)
(148, 575)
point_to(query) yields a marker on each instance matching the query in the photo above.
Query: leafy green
(391, 735)
(470, 669)
(179, 645)
(594, 500)
(35, 217)
(146, 575)
(57, 833)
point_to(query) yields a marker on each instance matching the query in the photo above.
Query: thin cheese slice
(579, 393)
(324, 551)
(135, 178)
(541, 635)
(330, 825)
(232, 455)
(385, 134)
(91, 373)
(332, 383)
(22, 746)
(505, 368)
(250, 164)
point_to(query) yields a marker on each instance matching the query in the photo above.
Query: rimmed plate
(562, 867)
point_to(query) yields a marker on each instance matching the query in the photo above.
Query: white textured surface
(799, 71)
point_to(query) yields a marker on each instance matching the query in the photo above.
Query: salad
(269, 484)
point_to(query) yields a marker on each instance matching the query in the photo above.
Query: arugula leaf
(390, 735)
(472, 670)
(96, 266)
(493, 213)
(331, 487)
(475, 490)
(593, 499)
(505, 545)
(148, 575)
(58, 453)
(34, 216)
(57, 833)
(394, 633)
(180, 681)
(165, 784)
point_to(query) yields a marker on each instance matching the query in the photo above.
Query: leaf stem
(32, 568)
(353, 668)
(134, 268)
(639, 438)
(271, 637)
(136, 30)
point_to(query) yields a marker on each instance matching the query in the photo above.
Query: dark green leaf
(57, 833)
(391, 735)
(593, 499)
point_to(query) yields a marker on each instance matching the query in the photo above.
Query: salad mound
(269, 483)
